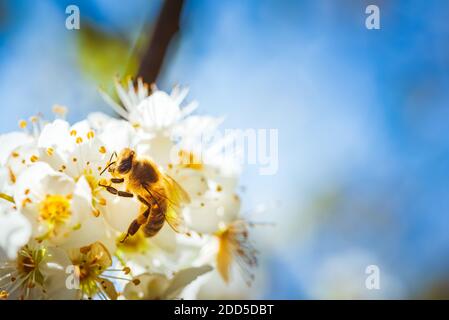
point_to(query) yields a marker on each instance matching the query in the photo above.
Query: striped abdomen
(155, 220)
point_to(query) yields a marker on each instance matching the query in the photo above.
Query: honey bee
(160, 195)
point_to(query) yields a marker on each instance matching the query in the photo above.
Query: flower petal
(15, 230)
(183, 278)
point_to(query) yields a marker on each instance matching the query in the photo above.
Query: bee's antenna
(107, 167)
(114, 154)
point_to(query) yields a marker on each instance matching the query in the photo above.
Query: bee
(160, 195)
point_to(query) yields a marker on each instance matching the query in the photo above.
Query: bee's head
(124, 162)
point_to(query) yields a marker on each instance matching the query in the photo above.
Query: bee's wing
(175, 196)
(175, 191)
(178, 196)
(175, 219)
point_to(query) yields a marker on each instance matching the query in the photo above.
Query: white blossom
(59, 210)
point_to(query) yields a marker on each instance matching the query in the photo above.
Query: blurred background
(363, 120)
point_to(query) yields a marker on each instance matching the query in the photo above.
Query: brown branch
(167, 25)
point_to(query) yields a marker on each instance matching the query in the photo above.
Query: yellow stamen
(23, 124)
(55, 209)
(4, 295)
(12, 175)
(189, 160)
(26, 201)
(60, 110)
(6, 197)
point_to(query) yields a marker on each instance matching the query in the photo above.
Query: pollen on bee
(34, 158)
(102, 150)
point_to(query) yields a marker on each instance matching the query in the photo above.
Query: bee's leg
(117, 192)
(136, 223)
(143, 201)
(117, 180)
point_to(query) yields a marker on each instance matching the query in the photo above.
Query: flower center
(94, 184)
(91, 263)
(27, 274)
(189, 160)
(25, 264)
(91, 180)
(134, 244)
(55, 209)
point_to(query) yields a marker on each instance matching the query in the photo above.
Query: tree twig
(167, 25)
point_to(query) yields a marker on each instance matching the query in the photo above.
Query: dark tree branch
(167, 25)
